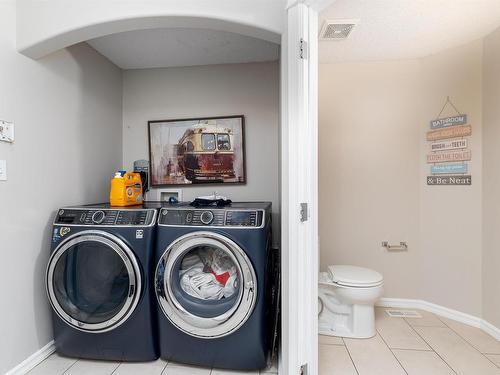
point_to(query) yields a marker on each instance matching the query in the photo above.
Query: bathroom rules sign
(449, 151)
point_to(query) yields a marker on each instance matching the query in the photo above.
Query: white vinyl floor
(430, 345)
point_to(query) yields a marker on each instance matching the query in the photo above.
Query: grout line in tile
(394, 355)
(164, 367)
(489, 359)
(408, 322)
(47, 359)
(430, 346)
(467, 341)
(413, 350)
(349, 353)
(442, 321)
(116, 368)
(327, 343)
(74, 363)
(497, 365)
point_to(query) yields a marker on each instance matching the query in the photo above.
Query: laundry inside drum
(208, 273)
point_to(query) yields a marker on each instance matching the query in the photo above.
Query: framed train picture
(207, 150)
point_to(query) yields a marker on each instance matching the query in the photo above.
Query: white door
(299, 192)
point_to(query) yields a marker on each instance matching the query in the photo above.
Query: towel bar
(403, 246)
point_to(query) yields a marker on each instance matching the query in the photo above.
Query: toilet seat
(356, 277)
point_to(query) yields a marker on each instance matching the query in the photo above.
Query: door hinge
(303, 369)
(303, 49)
(304, 212)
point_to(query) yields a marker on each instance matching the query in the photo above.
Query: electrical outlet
(6, 131)
(3, 170)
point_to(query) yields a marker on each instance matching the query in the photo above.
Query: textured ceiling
(157, 48)
(401, 29)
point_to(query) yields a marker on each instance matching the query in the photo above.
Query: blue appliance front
(206, 318)
(99, 285)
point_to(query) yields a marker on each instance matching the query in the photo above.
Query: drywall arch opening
(61, 38)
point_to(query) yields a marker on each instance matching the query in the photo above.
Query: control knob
(207, 217)
(98, 217)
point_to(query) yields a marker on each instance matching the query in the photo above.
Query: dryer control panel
(104, 217)
(212, 217)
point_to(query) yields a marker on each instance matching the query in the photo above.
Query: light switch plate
(6, 131)
(3, 170)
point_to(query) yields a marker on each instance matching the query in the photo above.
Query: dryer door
(93, 281)
(206, 285)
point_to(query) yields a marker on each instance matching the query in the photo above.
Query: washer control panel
(207, 217)
(98, 217)
(108, 217)
(211, 217)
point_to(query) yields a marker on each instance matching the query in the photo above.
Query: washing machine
(99, 283)
(213, 285)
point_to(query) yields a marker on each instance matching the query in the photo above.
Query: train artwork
(195, 151)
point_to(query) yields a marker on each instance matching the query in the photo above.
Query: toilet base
(359, 324)
(347, 312)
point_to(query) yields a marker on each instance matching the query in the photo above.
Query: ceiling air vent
(337, 29)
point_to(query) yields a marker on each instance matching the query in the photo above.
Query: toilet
(346, 298)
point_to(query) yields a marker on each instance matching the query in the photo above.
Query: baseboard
(474, 321)
(33, 360)
(491, 329)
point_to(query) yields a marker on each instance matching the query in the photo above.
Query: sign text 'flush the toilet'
(450, 156)
(449, 151)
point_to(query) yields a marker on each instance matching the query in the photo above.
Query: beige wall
(373, 120)
(68, 117)
(491, 185)
(451, 217)
(214, 90)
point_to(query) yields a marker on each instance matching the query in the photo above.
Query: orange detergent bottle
(126, 189)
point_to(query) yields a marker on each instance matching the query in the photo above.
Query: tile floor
(58, 365)
(430, 345)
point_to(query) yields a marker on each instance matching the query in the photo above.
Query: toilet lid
(354, 276)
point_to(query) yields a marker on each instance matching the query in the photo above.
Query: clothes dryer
(99, 283)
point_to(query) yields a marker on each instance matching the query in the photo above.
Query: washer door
(93, 281)
(206, 285)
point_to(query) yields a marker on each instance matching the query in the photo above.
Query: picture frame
(194, 151)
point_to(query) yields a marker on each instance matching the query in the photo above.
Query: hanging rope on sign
(448, 101)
